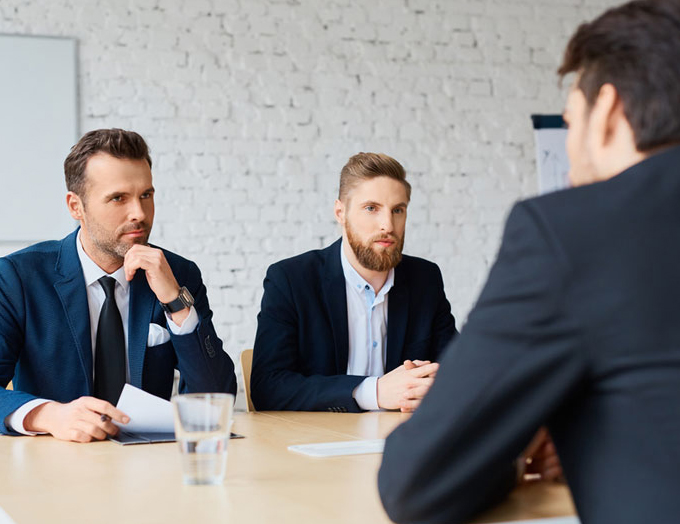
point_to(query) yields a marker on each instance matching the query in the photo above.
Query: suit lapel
(335, 297)
(73, 297)
(142, 301)
(397, 318)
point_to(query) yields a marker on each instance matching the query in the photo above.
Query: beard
(373, 257)
(110, 244)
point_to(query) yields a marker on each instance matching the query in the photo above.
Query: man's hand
(404, 387)
(540, 459)
(158, 274)
(82, 420)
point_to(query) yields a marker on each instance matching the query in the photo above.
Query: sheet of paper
(5, 518)
(147, 412)
(335, 449)
(555, 520)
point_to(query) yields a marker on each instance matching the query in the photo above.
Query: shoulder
(418, 268)
(307, 265)
(38, 257)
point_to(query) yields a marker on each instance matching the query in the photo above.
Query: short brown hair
(636, 48)
(115, 142)
(365, 166)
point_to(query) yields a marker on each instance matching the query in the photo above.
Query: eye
(370, 209)
(117, 199)
(146, 195)
(398, 210)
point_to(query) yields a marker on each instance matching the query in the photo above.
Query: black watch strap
(184, 300)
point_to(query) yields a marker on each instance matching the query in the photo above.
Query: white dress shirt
(367, 330)
(95, 299)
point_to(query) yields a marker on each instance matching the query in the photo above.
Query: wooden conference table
(46, 480)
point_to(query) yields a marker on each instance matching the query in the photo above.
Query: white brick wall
(251, 107)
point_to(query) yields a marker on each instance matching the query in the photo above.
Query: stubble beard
(110, 245)
(382, 259)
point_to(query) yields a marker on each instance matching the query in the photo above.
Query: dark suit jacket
(45, 340)
(301, 346)
(578, 327)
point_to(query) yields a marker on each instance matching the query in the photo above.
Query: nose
(136, 211)
(387, 221)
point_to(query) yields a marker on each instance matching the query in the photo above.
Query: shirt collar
(92, 272)
(355, 280)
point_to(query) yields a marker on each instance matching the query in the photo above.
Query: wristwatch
(184, 300)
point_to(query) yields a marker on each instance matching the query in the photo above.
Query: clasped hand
(404, 387)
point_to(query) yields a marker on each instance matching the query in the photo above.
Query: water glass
(202, 429)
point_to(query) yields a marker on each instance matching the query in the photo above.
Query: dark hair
(365, 166)
(636, 48)
(115, 142)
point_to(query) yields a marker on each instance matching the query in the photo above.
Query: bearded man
(82, 316)
(356, 326)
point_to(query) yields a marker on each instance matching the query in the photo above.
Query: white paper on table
(335, 449)
(5, 518)
(554, 520)
(147, 412)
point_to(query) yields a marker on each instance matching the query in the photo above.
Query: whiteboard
(551, 152)
(38, 126)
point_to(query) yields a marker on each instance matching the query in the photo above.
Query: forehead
(383, 190)
(105, 172)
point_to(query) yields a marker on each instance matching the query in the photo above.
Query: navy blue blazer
(301, 345)
(577, 328)
(45, 340)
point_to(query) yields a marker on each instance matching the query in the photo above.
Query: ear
(339, 212)
(75, 205)
(605, 117)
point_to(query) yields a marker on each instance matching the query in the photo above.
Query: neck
(376, 279)
(106, 262)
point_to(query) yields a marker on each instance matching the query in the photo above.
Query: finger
(536, 442)
(408, 406)
(424, 370)
(552, 474)
(102, 407)
(92, 429)
(416, 393)
(419, 363)
(409, 365)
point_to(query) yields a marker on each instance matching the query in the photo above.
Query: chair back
(246, 361)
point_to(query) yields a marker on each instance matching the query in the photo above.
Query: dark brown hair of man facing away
(365, 166)
(115, 142)
(636, 48)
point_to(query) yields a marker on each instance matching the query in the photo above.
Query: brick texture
(251, 107)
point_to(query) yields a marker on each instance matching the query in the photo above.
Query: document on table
(5, 518)
(151, 418)
(555, 520)
(336, 449)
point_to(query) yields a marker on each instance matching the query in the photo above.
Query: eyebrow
(125, 193)
(378, 204)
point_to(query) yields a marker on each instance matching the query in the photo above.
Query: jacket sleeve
(203, 364)
(11, 341)
(277, 381)
(514, 362)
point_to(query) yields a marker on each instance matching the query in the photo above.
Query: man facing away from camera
(577, 326)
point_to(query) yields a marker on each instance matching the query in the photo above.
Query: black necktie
(109, 357)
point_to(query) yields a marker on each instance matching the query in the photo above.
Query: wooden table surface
(46, 480)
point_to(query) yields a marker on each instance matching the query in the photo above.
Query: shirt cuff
(15, 420)
(366, 394)
(188, 326)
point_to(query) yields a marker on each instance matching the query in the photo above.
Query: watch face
(186, 297)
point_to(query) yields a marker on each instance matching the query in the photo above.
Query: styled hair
(115, 142)
(636, 48)
(366, 166)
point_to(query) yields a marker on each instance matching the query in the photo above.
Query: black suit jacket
(578, 327)
(301, 346)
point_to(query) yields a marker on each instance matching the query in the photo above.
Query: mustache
(134, 226)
